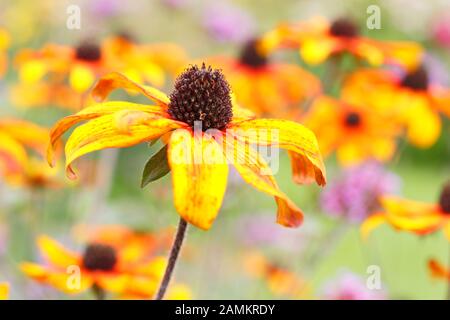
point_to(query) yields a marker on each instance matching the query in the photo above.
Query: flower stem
(173, 257)
(99, 293)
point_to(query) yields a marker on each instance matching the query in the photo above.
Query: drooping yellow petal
(103, 132)
(199, 175)
(56, 254)
(371, 223)
(256, 172)
(4, 291)
(114, 81)
(287, 135)
(92, 112)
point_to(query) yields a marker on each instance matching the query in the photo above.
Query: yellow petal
(92, 112)
(4, 291)
(27, 133)
(81, 78)
(371, 223)
(102, 133)
(316, 50)
(424, 124)
(56, 254)
(199, 174)
(115, 81)
(256, 172)
(287, 135)
(13, 156)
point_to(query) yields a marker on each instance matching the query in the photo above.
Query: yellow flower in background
(4, 45)
(412, 216)
(197, 157)
(318, 39)
(22, 143)
(352, 128)
(285, 86)
(4, 290)
(411, 99)
(104, 267)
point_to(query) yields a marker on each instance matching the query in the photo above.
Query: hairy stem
(173, 257)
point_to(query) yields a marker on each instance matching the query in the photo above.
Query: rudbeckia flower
(4, 44)
(413, 216)
(104, 267)
(351, 128)
(20, 140)
(411, 98)
(284, 85)
(4, 290)
(211, 132)
(318, 39)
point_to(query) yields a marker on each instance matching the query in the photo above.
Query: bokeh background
(326, 253)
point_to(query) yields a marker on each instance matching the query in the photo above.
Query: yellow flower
(104, 266)
(211, 132)
(352, 128)
(318, 39)
(412, 99)
(4, 45)
(285, 86)
(413, 216)
(4, 290)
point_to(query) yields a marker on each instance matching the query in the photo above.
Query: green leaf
(156, 167)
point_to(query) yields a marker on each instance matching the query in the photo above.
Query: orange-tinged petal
(112, 282)
(438, 270)
(199, 175)
(13, 156)
(256, 172)
(27, 133)
(92, 112)
(4, 291)
(371, 223)
(59, 279)
(116, 80)
(287, 135)
(56, 254)
(102, 133)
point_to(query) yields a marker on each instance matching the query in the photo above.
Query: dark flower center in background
(99, 257)
(444, 200)
(416, 80)
(352, 119)
(125, 35)
(88, 52)
(201, 94)
(250, 55)
(344, 28)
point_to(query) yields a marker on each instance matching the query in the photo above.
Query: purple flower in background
(228, 23)
(175, 4)
(355, 194)
(106, 8)
(350, 286)
(437, 70)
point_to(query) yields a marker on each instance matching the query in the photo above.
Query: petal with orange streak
(115, 80)
(92, 112)
(256, 172)
(287, 135)
(102, 133)
(199, 175)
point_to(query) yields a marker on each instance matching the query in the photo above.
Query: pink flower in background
(354, 195)
(228, 23)
(350, 286)
(175, 4)
(106, 8)
(441, 31)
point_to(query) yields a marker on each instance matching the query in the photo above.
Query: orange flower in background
(438, 271)
(22, 143)
(4, 45)
(411, 98)
(285, 86)
(319, 39)
(413, 216)
(103, 267)
(201, 98)
(4, 290)
(352, 128)
(280, 281)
